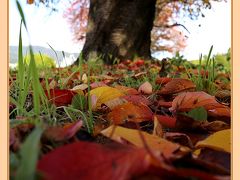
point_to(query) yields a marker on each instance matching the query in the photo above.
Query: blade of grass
(21, 14)
(29, 154)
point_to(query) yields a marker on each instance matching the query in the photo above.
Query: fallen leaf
(127, 90)
(163, 80)
(216, 126)
(145, 88)
(132, 136)
(177, 85)
(180, 138)
(189, 100)
(220, 141)
(219, 161)
(80, 88)
(130, 112)
(165, 104)
(85, 160)
(141, 74)
(62, 133)
(166, 121)
(115, 102)
(60, 97)
(97, 84)
(85, 78)
(157, 128)
(105, 94)
(137, 99)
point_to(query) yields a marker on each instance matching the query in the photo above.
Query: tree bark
(119, 29)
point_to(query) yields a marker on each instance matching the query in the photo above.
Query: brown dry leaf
(220, 141)
(130, 112)
(105, 94)
(121, 134)
(177, 85)
(215, 126)
(190, 100)
(146, 88)
(180, 138)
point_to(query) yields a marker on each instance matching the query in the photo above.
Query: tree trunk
(119, 29)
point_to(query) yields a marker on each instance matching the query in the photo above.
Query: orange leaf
(190, 100)
(163, 80)
(177, 85)
(130, 112)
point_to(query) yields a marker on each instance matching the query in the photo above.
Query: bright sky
(43, 28)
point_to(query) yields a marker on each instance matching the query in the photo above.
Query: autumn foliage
(167, 34)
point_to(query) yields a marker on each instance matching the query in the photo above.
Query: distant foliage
(41, 60)
(167, 34)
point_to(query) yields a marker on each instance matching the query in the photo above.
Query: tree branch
(172, 25)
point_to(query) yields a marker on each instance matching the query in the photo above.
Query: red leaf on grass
(84, 160)
(60, 97)
(130, 112)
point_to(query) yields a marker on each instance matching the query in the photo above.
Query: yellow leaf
(220, 141)
(132, 136)
(105, 94)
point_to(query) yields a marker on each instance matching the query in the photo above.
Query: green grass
(29, 155)
(220, 59)
(204, 82)
(136, 82)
